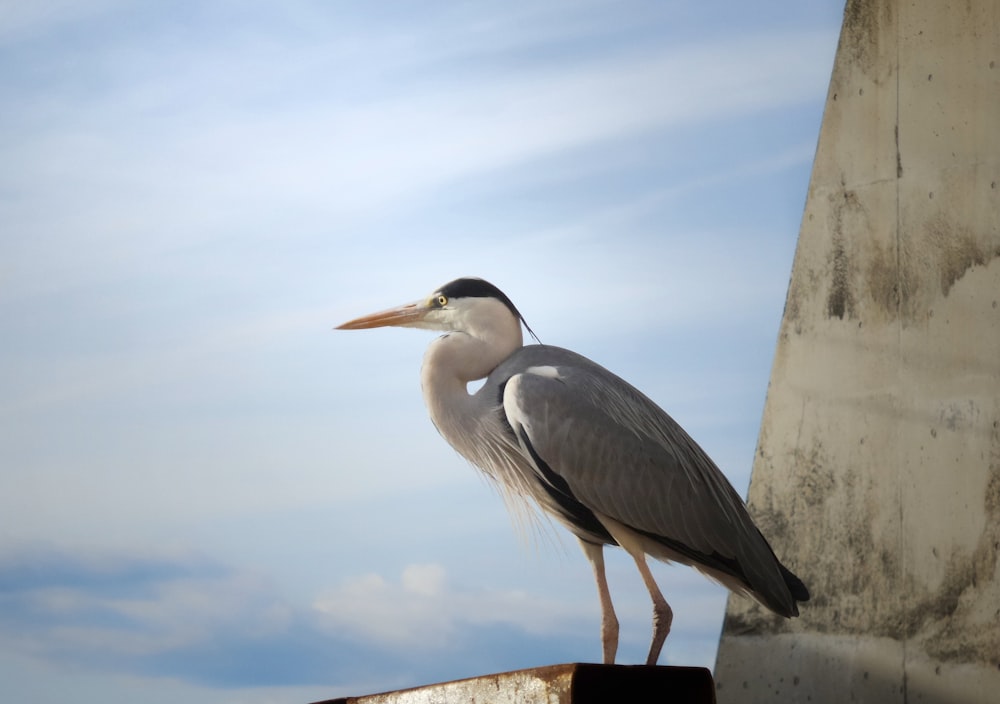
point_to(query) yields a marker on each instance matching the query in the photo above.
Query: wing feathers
(599, 445)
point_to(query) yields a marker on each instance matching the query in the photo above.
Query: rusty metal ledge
(574, 683)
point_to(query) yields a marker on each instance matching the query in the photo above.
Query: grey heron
(553, 427)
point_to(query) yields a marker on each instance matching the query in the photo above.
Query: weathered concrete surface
(562, 684)
(877, 475)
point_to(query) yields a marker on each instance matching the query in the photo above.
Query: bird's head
(468, 305)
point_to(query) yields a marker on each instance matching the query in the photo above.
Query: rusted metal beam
(574, 683)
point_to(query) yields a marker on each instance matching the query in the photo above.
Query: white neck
(457, 358)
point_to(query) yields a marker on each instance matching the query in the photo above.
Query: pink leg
(663, 615)
(609, 622)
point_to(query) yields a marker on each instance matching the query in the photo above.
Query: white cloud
(123, 604)
(425, 580)
(423, 608)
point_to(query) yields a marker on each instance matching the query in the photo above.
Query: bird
(552, 428)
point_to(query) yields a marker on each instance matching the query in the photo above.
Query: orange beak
(404, 315)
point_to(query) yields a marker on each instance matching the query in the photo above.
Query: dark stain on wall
(847, 216)
(863, 22)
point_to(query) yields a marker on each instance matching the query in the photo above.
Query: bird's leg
(663, 615)
(609, 621)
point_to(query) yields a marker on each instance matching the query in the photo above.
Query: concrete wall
(877, 474)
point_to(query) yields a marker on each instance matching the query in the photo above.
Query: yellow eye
(442, 301)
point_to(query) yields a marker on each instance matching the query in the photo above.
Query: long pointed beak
(403, 315)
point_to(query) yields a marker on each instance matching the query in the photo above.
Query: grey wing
(591, 435)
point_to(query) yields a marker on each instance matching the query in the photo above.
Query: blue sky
(209, 494)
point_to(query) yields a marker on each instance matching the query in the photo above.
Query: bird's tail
(794, 584)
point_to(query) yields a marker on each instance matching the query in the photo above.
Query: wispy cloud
(423, 608)
(171, 134)
(188, 617)
(122, 610)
